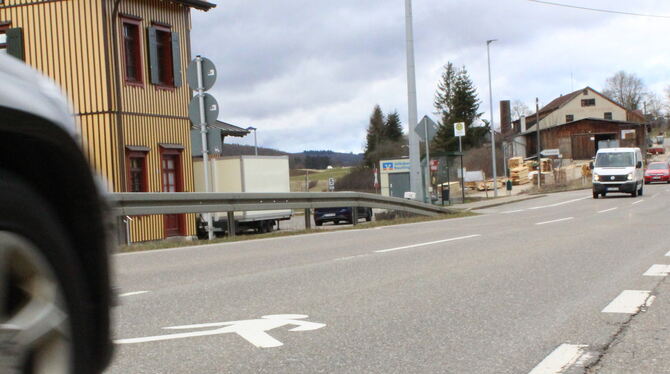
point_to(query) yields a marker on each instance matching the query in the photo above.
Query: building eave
(198, 4)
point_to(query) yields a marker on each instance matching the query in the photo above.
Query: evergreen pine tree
(393, 128)
(375, 136)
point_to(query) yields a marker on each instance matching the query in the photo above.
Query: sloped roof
(230, 130)
(613, 121)
(198, 4)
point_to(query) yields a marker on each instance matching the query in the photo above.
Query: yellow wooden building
(123, 65)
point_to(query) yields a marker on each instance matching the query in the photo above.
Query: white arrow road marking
(556, 220)
(133, 293)
(253, 330)
(657, 270)
(629, 302)
(426, 243)
(563, 357)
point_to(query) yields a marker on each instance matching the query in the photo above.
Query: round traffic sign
(208, 74)
(211, 110)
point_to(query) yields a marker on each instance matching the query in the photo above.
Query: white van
(618, 170)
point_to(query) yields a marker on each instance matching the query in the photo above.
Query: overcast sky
(307, 73)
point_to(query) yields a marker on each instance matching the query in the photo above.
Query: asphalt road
(518, 289)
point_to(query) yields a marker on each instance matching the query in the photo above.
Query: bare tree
(626, 89)
(519, 108)
(653, 106)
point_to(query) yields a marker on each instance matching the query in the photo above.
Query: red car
(657, 172)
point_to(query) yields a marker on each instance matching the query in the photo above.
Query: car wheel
(269, 226)
(634, 193)
(595, 195)
(43, 324)
(603, 194)
(318, 223)
(640, 192)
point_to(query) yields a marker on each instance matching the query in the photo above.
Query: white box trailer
(246, 174)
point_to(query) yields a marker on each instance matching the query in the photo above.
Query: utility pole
(493, 130)
(203, 134)
(539, 156)
(416, 185)
(251, 128)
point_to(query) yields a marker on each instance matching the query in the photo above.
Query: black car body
(338, 215)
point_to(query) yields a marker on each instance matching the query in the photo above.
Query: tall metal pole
(414, 159)
(427, 178)
(255, 142)
(460, 150)
(539, 156)
(203, 133)
(493, 131)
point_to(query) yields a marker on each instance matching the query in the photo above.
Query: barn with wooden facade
(122, 64)
(577, 124)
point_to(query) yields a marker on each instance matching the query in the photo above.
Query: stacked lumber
(546, 165)
(514, 162)
(489, 185)
(519, 175)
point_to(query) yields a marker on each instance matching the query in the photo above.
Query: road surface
(540, 286)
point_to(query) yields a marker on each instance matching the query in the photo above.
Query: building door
(171, 174)
(583, 147)
(398, 184)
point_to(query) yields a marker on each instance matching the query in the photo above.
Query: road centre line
(637, 202)
(608, 210)
(133, 293)
(561, 203)
(555, 220)
(562, 358)
(629, 302)
(426, 243)
(512, 211)
(657, 270)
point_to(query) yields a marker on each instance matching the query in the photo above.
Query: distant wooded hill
(302, 160)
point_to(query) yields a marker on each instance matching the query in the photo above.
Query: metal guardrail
(140, 203)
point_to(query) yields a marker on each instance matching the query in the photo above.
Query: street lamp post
(493, 131)
(415, 182)
(251, 128)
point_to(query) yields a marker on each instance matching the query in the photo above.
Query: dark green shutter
(15, 43)
(176, 59)
(153, 56)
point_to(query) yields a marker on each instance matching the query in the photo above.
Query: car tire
(36, 250)
(640, 192)
(318, 223)
(634, 193)
(603, 194)
(595, 195)
(269, 226)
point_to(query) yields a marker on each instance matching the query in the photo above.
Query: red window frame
(164, 52)
(3, 30)
(135, 54)
(144, 181)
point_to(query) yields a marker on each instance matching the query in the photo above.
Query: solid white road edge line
(555, 220)
(657, 270)
(607, 210)
(637, 202)
(561, 203)
(132, 293)
(426, 243)
(562, 358)
(629, 302)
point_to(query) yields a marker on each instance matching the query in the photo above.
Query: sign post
(459, 130)
(203, 111)
(426, 129)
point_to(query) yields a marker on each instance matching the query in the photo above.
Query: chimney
(522, 121)
(505, 118)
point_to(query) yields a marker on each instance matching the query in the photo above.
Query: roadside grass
(320, 176)
(164, 244)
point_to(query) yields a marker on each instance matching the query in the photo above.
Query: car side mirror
(591, 165)
(639, 165)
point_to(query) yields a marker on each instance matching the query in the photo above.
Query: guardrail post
(308, 219)
(354, 216)
(231, 224)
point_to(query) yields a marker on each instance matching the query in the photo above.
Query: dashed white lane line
(629, 302)
(561, 203)
(561, 359)
(512, 211)
(555, 220)
(426, 243)
(667, 254)
(637, 202)
(608, 210)
(657, 270)
(133, 293)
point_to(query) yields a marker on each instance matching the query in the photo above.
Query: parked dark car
(338, 215)
(55, 291)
